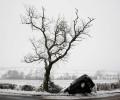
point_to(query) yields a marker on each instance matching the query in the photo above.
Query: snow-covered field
(98, 94)
(62, 83)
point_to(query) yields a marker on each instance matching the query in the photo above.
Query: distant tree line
(36, 75)
(14, 74)
(103, 75)
(67, 76)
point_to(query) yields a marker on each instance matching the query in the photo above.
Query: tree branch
(76, 35)
(59, 44)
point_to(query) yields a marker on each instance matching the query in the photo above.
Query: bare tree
(57, 38)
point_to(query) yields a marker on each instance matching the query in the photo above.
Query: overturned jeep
(83, 84)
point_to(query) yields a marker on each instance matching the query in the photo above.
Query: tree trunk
(46, 79)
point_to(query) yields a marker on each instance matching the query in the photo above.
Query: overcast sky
(100, 52)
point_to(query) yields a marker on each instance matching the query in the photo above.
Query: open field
(62, 83)
(7, 94)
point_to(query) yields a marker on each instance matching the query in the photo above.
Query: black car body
(83, 84)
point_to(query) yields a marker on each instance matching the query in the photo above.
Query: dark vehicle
(83, 84)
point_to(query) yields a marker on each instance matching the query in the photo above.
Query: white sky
(102, 51)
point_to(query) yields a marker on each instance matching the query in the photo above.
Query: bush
(53, 88)
(108, 86)
(7, 86)
(28, 88)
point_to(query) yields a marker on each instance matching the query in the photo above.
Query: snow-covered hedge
(28, 88)
(52, 87)
(107, 86)
(7, 86)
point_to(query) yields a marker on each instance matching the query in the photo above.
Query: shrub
(28, 88)
(7, 86)
(53, 88)
(108, 86)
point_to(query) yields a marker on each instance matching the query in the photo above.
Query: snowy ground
(98, 94)
(62, 83)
